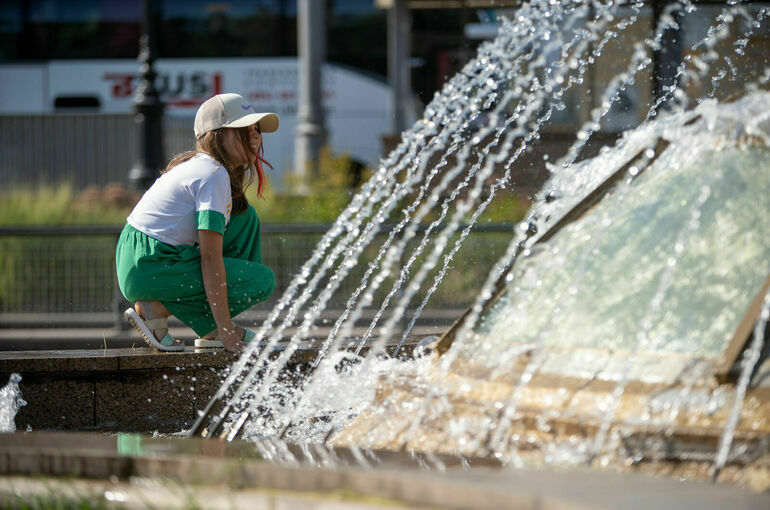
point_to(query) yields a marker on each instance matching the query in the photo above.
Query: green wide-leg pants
(151, 270)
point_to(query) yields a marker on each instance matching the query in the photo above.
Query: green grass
(53, 501)
(59, 205)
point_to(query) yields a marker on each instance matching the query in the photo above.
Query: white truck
(358, 107)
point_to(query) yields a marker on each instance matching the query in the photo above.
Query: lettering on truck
(177, 89)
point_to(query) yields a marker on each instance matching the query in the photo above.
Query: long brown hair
(213, 144)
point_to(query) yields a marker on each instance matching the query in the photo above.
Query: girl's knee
(266, 284)
(258, 286)
(269, 279)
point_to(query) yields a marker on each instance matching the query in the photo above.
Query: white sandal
(145, 328)
(208, 343)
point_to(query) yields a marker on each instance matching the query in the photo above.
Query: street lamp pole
(399, 26)
(148, 108)
(311, 133)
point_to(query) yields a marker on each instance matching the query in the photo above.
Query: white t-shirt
(194, 195)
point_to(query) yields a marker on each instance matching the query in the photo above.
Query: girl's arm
(215, 283)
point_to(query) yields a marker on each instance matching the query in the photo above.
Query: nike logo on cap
(246, 107)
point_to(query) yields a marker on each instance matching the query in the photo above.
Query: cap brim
(268, 122)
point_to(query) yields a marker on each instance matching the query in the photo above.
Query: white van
(357, 106)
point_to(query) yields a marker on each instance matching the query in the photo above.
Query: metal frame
(743, 333)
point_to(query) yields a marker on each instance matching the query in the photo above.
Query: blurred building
(68, 68)
(68, 72)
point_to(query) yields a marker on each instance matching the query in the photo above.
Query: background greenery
(76, 273)
(330, 192)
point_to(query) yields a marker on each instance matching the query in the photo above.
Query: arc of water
(533, 105)
(416, 202)
(421, 213)
(395, 254)
(340, 337)
(749, 361)
(287, 353)
(424, 242)
(738, 48)
(625, 23)
(518, 245)
(501, 182)
(514, 248)
(717, 30)
(345, 317)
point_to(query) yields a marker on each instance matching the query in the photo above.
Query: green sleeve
(210, 220)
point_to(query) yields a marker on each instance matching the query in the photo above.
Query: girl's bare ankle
(156, 311)
(151, 309)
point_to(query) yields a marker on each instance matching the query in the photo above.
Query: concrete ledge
(114, 389)
(232, 468)
(128, 390)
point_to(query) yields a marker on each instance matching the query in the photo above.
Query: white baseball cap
(231, 110)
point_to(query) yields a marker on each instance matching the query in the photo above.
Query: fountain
(624, 325)
(606, 342)
(607, 333)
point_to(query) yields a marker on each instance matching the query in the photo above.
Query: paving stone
(177, 467)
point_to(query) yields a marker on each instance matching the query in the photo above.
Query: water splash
(748, 362)
(10, 402)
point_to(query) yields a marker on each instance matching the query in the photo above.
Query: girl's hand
(231, 338)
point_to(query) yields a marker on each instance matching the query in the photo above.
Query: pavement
(133, 471)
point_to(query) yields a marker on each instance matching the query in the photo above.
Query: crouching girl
(191, 246)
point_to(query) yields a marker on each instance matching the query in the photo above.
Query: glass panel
(234, 28)
(651, 264)
(10, 28)
(357, 35)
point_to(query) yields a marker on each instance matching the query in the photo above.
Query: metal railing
(47, 271)
(80, 149)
